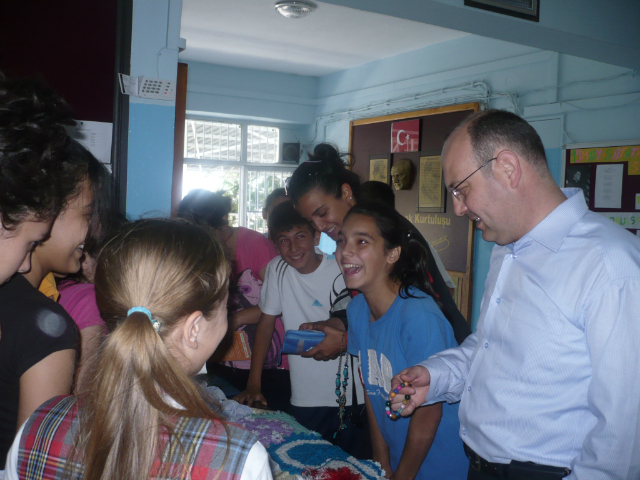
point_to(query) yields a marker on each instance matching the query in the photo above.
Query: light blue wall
(150, 172)
(251, 94)
(154, 54)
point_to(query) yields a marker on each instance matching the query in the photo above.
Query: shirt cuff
(439, 390)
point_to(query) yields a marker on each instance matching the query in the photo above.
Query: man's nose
(459, 207)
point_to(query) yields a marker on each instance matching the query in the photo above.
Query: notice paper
(608, 192)
(430, 193)
(95, 137)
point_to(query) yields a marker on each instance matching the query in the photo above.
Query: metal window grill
(213, 140)
(263, 144)
(260, 183)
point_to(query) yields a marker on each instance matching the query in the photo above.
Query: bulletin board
(609, 175)
(450, 235)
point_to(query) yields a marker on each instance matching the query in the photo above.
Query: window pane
(263, 144)
(214, 178)
(213, 140)
(261, 183)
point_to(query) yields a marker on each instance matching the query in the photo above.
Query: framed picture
(431, 194)
(526, 9)
(379, 168)
(579, 176)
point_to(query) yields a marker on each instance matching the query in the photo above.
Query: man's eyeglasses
(454, 190)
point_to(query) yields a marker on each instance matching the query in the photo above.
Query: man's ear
(316, 238)
(509, 168)
(192, 328)
(393, 255)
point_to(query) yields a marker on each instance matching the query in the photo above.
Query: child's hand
(330, 347)
(420, 379)
(249, 396)
(312, 325)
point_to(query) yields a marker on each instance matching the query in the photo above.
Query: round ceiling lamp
(294, 9)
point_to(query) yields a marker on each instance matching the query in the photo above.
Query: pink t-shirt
(253, 251)
(79, 300)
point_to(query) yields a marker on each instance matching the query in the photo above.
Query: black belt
(515, 470)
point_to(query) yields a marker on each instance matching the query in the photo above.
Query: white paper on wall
(608, 192)
(95, 137)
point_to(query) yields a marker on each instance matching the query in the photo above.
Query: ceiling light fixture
(294, 9)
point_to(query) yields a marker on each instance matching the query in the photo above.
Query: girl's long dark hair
(411, 269)
(326, 170)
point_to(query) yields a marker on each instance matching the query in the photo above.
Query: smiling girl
(394, 323)
(39, 339)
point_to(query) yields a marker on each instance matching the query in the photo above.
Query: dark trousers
(276, 384)
(475, 475)
(521, 475)
(355, 439)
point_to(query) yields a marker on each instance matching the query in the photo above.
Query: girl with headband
(161, 287)
(393, 324)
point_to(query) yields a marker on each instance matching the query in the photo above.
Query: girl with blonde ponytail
(161, 287)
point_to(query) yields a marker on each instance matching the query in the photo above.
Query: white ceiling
(250, 34)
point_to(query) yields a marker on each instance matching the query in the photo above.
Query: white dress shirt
(552, 374)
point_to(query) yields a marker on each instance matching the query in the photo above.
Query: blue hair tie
(155, 323)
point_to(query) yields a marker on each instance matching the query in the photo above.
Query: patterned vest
(50, 433)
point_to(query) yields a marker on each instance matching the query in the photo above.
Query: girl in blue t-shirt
(396, 323)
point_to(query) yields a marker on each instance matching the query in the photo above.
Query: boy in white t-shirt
(305, 285)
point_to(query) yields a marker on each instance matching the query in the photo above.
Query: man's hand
(330, 347)
(249, 396)
(420, 380)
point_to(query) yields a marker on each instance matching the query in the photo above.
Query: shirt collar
(552, 231)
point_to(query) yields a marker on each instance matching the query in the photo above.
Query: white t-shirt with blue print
(301, 299)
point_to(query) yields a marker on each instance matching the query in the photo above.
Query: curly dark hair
(36, 178)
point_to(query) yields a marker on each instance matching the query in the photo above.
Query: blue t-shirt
(409, 332)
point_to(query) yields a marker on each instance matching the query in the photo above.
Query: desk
(296, 449)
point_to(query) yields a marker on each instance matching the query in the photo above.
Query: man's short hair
(285, 218)
(493, 129)
(276, 193)
(374, 191)
(35, 180)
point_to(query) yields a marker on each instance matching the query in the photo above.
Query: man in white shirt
(548, 383)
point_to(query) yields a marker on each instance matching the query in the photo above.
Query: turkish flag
(405, 136)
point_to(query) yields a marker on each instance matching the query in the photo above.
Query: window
(217, 158)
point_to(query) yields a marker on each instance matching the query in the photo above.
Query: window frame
(243, 163)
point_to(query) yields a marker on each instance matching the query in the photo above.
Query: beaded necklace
(342, 396)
